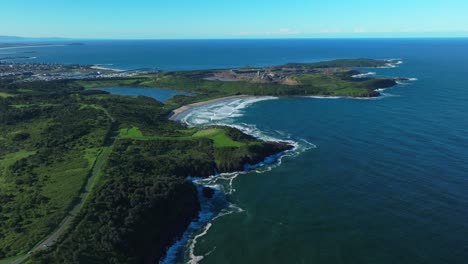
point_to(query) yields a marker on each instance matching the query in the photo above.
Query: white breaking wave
(323, 97)
(193, 258)
(382, 95)
(407, 82)
(220, 110)
(363, 75)
(391, 63)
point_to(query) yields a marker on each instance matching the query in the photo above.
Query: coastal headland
(331, 78)
(123, 163)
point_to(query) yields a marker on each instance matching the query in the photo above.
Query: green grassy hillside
(51, 136)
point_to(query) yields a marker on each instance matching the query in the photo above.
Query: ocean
(380, 180)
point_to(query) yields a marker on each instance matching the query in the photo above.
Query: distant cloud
(329, 30)
(243, 33)
(335, 32)
(286, 31)
(359, 30)
(279, 32)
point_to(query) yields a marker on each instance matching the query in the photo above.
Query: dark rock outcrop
(208, 192)
(235, 159)
(260, 152)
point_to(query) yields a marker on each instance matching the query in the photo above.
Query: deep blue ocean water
(388, 180)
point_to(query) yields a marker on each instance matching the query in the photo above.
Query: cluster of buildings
(50, 72)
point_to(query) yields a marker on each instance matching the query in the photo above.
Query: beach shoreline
(181, 110)
(178, 112)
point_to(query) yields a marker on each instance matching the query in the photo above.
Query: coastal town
(280, 74)
(29, 72)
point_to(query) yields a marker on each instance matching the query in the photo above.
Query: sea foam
(364, 75)
(391, 63)
(221, 110)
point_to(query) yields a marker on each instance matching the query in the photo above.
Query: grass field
(132, 132)
(331, 85)
(2, 94)
(218, 135)
(64, 180)
(44, 162)
(10, 159)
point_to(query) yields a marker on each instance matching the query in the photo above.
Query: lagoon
(160, 94)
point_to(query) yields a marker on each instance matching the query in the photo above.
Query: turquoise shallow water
(387, 180)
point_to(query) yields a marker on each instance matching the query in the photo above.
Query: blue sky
(154, 19)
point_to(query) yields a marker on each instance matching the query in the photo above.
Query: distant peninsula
(36, 45)
(330, 78)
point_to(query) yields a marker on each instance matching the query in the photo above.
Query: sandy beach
(177, 112)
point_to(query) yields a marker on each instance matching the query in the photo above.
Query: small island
(89, 177)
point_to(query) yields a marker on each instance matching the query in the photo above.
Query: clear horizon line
(238, 38)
